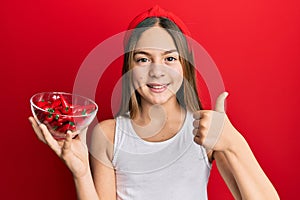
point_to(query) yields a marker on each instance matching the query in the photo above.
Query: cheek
(138, 77)
(176, 73)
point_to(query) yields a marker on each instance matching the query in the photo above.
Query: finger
(196, 123)
(220, 103)
(200, 114)
(68, 142)
(199, 140)
(195, 131)
(52, 143)
(32, 121)
(72, 134)
(197, 115)
(198, 132)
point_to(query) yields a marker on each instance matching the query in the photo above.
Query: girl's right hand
(73, 152)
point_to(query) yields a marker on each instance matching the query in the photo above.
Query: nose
(156, 70)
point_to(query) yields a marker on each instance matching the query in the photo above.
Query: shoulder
(105, 129)
(102, 141)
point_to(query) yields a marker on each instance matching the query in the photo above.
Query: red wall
(255, 44)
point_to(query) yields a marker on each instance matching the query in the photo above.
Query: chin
(161, 101)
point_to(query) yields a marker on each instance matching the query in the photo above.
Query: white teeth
(157, 86)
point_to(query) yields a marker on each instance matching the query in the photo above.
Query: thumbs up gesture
(212, 128)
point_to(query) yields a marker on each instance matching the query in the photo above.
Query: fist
(209, 126)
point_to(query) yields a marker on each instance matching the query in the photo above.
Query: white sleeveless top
(177, 168)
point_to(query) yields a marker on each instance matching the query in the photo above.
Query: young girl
(161, 144)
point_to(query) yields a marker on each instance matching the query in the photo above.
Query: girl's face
(157, 71)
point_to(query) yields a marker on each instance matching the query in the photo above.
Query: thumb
(220, 103)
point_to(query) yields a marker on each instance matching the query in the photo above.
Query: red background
(255, 44)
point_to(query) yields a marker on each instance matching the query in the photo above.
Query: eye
(142, 60)
(170, 59)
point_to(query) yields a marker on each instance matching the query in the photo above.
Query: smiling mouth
(157, 86)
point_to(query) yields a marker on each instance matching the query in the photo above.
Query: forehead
(155, 38)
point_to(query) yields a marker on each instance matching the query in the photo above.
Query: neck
(160, 121)
(171, 109)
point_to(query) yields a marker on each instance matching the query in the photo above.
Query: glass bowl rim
(66, 93)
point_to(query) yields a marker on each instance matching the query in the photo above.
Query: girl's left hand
(212, 128)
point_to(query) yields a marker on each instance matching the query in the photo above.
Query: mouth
(156, 87)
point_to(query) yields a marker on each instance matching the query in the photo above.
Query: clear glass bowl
(61, 112)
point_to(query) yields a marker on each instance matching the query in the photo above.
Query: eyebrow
(148, 54)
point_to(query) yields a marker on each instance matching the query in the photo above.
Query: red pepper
(49, 117)
(48, 108)
(68, 126)
(56, 115)
(55, 103)
(63, 119)
(66, 110)
(83, 110)
(41, 103)
(58, 109)
(80, 120)
(53, 128)
(65, 105)
(71, 120)
(72, 126)
(76, 109)
(60, 120)
(56, 123)
(40, 115)
(63, 128)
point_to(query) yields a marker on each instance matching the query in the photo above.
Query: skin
(157, 77)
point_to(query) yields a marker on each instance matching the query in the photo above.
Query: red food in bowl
(61, 112)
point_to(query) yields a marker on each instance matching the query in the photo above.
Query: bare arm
(235, 160)
(85, 187)
(225, 171)
(90, 185)
(101, 153)
(99, 182)
(74, 154)
(242, 171)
